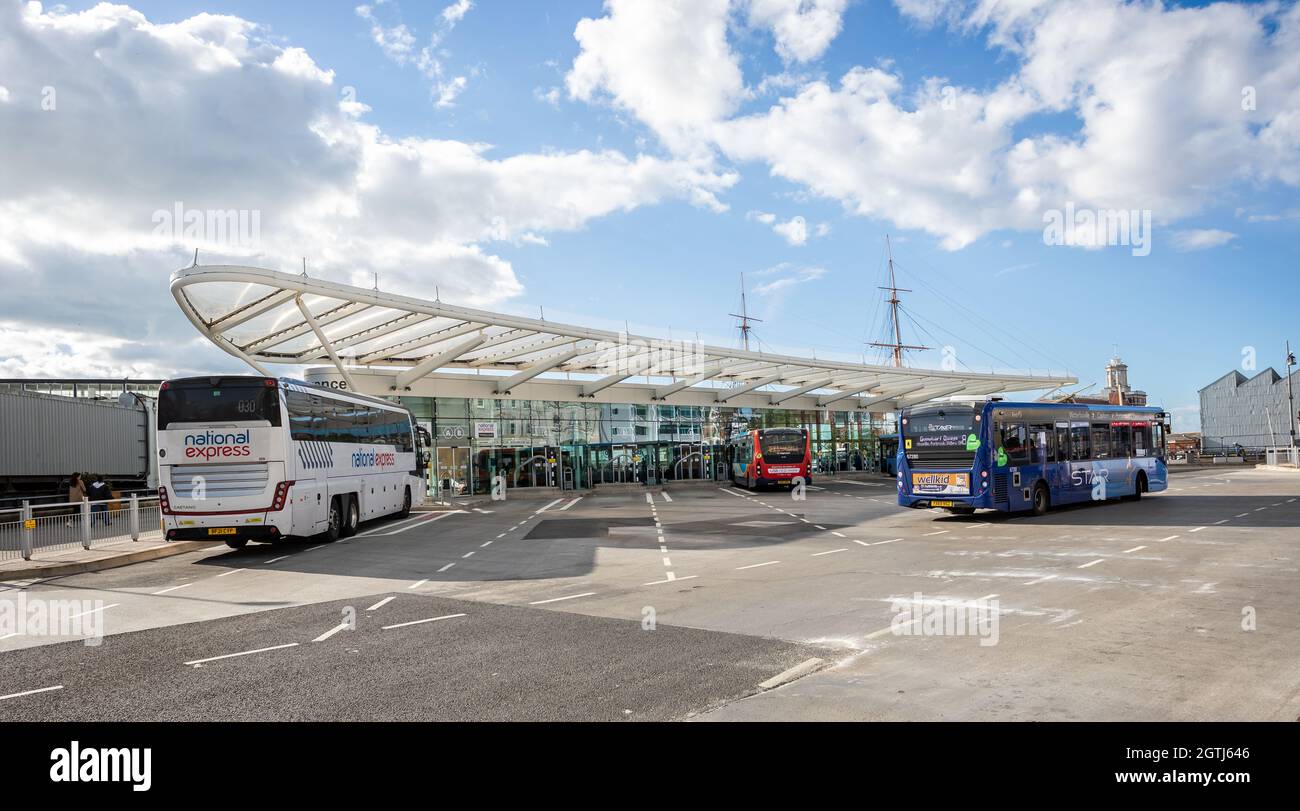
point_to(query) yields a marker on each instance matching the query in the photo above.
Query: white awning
(382, 344)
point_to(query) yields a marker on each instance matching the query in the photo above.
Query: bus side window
(1042, 440)
(1101, 444)
(1123, 441)
(1062, 443)
(1080, 445)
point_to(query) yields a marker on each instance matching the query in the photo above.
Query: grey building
(1251, 412)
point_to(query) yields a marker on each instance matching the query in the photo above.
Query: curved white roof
(382, 343)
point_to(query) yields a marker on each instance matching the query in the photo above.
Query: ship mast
(897, 346)
(744, 315)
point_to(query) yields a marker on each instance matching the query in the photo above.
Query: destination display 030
(941, 484)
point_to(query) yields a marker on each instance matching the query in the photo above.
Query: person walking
(100, 493)
(76, 493)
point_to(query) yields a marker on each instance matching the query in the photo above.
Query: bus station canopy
(382, 344)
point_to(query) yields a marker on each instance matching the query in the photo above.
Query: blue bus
(1028, 456)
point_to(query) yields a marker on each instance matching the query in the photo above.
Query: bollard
(85, 523)
(27, 530)
(135, 517)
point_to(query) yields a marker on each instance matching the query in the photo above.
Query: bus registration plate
(941, 504)
(221, 531)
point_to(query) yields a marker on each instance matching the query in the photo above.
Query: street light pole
(1290, 391)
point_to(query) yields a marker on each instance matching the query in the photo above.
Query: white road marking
(418, 622)
(1260, 509)
(469, 554)
(861, 543)
(1242, 515)
(1093, 563)
(1170, 538)
(502, 535)
(756, 565)
(232, 571)
(95, 610)
(571, 503)
(412, 524)
(667, 497)
(1134, 549)
(667, 561)
(242, 653)
(1041, 580)
(802, 669)
(277, 560)
(837, 534)
(382, 603)
(670, 579)
(882, 543)
(830, 552)
(313, 548)
(940, 532)
(549, 506)
(648, 499)
(485, 544)
(32, 692)
(819, 526)
(569, 597)
(331, 632)
(418, 583)
(1224, 521)
(173, 588)
(1198, 529)
(445, 568)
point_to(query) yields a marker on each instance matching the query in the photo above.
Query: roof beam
(631, 367)
(328, 317)
(325, 342)
(889, 392)
(403, 321)
(523, 350)
(250, 311)
(537, 368)
(708, 374)
(929, 395)
(429, 364)
(430, 339)
(790, 394)
(736, 391)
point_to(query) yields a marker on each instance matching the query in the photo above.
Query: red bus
(770, 457)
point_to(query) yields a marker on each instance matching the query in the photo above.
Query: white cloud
(396, 41)
(803, 29)
(1201, 238)
(4, 94)
(764, 217)
(1176, 105)
(785, 276)
(76, 228)
(455, 12)
(794, 230)
(550, 95)
(667, 61)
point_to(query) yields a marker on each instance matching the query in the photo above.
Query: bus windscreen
(782, 446)
(242, 401)
(942, 429)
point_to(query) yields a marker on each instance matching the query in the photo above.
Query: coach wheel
(406, 503)
(237, 543)
(352, 518)
(1042, 501)
(1139, 486)
(335, 525)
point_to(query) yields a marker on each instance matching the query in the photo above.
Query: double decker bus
(1028, 456)
(770, 457)
(261, 459)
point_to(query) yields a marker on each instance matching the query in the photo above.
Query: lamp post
(1290, 391)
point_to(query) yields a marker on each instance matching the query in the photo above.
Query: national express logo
(210, 445)
(374, 458)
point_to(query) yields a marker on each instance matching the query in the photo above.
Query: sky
(623, 163)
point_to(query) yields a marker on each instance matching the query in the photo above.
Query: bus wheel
(1042, 500)
(1139, 486)
(335, 525)
(351, 518)
(406, 504)
(237, 543)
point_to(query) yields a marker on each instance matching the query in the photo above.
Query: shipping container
(44, 438)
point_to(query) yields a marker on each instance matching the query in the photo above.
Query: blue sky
(1220, 275)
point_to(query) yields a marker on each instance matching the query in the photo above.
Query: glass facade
(543, 443)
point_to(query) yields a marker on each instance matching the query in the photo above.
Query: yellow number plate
(221, 531)
(941, 504)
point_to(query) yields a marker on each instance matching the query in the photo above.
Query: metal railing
(55, 527)
(1282, 456)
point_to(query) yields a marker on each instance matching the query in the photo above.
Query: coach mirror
(423, 441)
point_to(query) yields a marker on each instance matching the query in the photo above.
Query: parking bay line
(569, 597)
(757, 565)
(241, 653)
(830, 552)
(32, 692)
(382, 603)
(1093, 563)
(411, 524)
(331, 632)
(420, 622)
(670, 580)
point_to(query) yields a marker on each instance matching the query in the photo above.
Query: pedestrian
(100, 493)
(76, 492)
